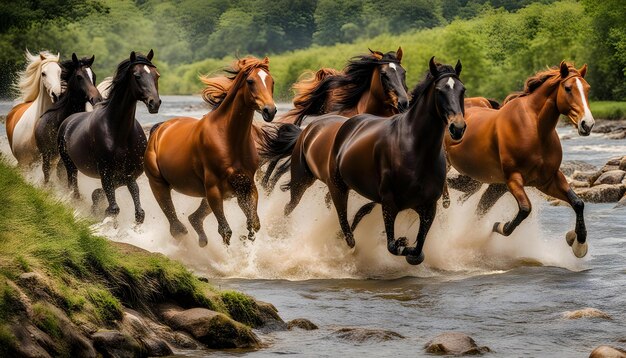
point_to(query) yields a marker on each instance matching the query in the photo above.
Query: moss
(46, 320)
(108, 308)
(23, 264)
(9, 300)
(7, 342)
(242, 308)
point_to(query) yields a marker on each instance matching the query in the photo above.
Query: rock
(570, 166)
(608, 168)
(585, 176)
(614, 161)
(587, 312)
(135, 325)
(610, 177)
(30, 341)
(579, 184)
(607, 352)
(622, 164)
(621, 203)
(603, 193)
(268, 314)
(454, 343)
(115, 344)
(214, 329)
(360, 335)
(302, 323)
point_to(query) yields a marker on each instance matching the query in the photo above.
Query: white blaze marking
(587, 117)
(145, 67)
(451, 82)
(263, 75)
(90, 74)
(393, 65)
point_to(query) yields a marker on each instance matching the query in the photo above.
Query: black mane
(68, 69)
(119, 81)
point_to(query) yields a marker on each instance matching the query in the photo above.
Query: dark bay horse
(215, 157)
(398, 161)
(109, 143)
(80, 82)
(374, 83)
(518, 145)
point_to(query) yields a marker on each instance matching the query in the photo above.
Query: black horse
(109, 143)
(80, 82)
(398, 162)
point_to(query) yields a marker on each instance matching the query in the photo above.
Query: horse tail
(312, 95)
(277, 142)
(494, 104)
(154, 127)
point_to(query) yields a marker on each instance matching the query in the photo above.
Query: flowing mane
(29, 79)
(428, 80)
(534, 82)
(120, 78)
(217, 87)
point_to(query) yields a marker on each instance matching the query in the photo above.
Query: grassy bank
(608, 109)
(88, 278)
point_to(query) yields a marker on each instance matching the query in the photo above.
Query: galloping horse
(214, 157)
(80, 88)
(373, 84)
(518, 145)
(40, 86)
(398, 161)
(109, 143)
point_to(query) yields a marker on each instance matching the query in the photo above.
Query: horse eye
(568, 89)
(79, 77)
(250, 81)
(43, 74)
(137, 76)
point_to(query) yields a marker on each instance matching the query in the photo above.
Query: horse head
(572, 97)
(449, 97)
(84, 79)
(51, 77)
(144, 80)
(392, 77)
(260, 85)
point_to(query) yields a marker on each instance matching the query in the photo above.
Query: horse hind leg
(133, 188)
(363, 211)
(71, 169)
(163, 195)
(109, 191)
(489, 198)
(97, 196)
(515, 184)
(196, 219)
(339, 194)
(301, 180)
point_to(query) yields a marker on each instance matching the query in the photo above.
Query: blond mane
(539, 78)
(217, 87)
(29, 79)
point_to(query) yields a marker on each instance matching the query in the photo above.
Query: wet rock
(579, 184)
(454, 343)
(211, 328)
(610, 177)
(136, 326)
(603, 193)
(360, 335)
(585, 176)
(302, 323)
(614, 161)
(115, 344)
(607, 352)
(622, 164)
(608, 168)
(587, 312)
(570, 166)
(621, 203)
(268, 314)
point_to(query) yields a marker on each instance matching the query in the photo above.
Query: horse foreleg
(216, 202)
(301, 180)
(163, 195)
(515, 183)
(446, 195)
(282, 169)
(109, 191)
(489, 198)
(559, 188)
(72, 171)
(197, 219)
(395, 247)
(133, 188)
(339, 194)
(247, 198)
(46, 166)
(415, 255)
(267, 176)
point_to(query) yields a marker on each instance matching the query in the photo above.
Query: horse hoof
(350, 241)
(499, 227)
(178, 229)
(580, 250)
(112, 211)
(251, 236)
(202, 241)
(446, 203)
(226, 241)
(570, 237)
(140, 216)
(415, 260)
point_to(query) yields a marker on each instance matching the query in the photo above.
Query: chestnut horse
(109, 143)
(398, 161)
(373, 84)
(214, 157)
(40, 86)
(80, 89)
(518, 145)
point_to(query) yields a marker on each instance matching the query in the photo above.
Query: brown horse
(214, 157)
(373, 84)
(398, 161)
(518, 145)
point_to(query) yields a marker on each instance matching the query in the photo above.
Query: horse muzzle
(457, 127)
(403, 105)
(585, 127)
(268, 112)
(153, 105)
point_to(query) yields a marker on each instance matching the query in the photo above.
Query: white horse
(39, 86)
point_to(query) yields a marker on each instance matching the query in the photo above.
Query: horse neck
(235, 116)
(373, 100)
(120, 114)
(543, 103)
(425, 125)
(75, 102)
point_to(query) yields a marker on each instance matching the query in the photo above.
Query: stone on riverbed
(569, 167)
(587, 312)
(112, 343)
(607, 352)
(603, 193)
(610, 177)
(622, 164)
(302, 323)
(455, 343)
(585, 176)
(360, 335)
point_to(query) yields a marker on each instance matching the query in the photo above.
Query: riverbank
(67, 292)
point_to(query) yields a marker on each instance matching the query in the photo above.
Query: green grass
(608, 109)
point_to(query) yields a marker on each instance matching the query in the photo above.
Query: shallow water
(508, 293)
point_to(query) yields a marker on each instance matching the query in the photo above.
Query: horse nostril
(160, 101)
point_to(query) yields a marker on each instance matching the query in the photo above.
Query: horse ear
(41, 56)
(564, 69)
(377, 55)
(133, 56)
(433, 67)
(266, 60)
(150, 55)
(583, 71)
(75, 59)
(399, 54)
(90, 61)
(458, 67)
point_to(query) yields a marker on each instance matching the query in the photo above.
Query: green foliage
(242, 308)
(608, 109)
(46, 320)
(107, 307)
(7, 342)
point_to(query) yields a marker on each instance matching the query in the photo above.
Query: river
(507, 293)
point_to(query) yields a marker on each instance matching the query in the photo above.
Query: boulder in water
(610, 177)
(360, 335)
(302, 323)
(603, 193)
(455, 343)
(607, 352)
(587, 312)
(112, 343)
